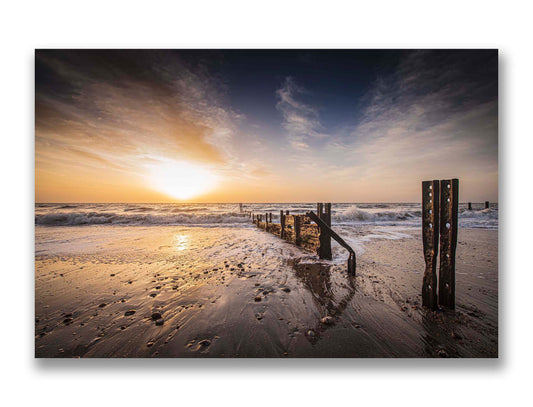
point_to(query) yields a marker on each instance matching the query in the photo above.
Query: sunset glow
(263, 125)
(182, 180)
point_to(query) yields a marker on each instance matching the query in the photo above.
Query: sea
(212, 215)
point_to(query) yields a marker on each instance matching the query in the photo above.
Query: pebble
(442, 353)
(286, 289)
(153, 295)
(149, 343)
(112, 275)
(129, 312)
(102, 305)
(204, 342)
(257, 298)
(160, 322)
(156, 315)
(311, 333)
(67, 320)
(327, 320)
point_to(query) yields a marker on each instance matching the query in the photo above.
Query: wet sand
(108, 291)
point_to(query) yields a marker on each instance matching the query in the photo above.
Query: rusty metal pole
(430, 241)
(449, 192)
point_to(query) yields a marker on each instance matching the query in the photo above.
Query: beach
(228, 289)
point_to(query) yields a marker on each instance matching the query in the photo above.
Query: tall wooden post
(487, 204)
(297, 224)
(469, 206)
(449, 192)
(287, 212)
(430, 240)
(324, 250)
(282, 224)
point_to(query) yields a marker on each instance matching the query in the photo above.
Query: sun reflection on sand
(181, 242)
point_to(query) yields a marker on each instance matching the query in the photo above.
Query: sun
(182, 180)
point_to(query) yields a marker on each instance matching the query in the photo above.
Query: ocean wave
(113, 218)
(356, 214)
(408, 215)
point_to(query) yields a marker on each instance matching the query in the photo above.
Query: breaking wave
(383, 214)
(113, 218)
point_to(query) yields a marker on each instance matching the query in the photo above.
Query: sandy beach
(187, 291)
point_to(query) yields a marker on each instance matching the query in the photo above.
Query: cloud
(431, 117)
(300, 120)
(118, 107)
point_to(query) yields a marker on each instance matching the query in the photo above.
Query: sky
(264, 125)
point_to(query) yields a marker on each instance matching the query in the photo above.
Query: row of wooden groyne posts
(311, 231)
(440, 203)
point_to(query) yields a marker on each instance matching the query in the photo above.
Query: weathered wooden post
(487, 204)
(449, 193)
(287, 212)
(282, 224)
(297, 224)
(430, 240)
(324, 250)
(469, 206)
(270, 217)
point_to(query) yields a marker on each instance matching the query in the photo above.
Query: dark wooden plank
(297, 223)
(449, 191)
(430, 241)
(324, 250)
(324, 226)
(282, 223)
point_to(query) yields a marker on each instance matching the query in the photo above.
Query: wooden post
(297, 223)
(282, 224)
(487, 204)
(469, 206)
(324, 250)
(430, 240)
(270, 217)
(449, 192)
(287, 213)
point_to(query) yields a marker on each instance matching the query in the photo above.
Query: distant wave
(353, 213)
(408, 215)
(113, 218)
(486, 218)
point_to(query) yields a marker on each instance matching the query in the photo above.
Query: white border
(246, 24)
